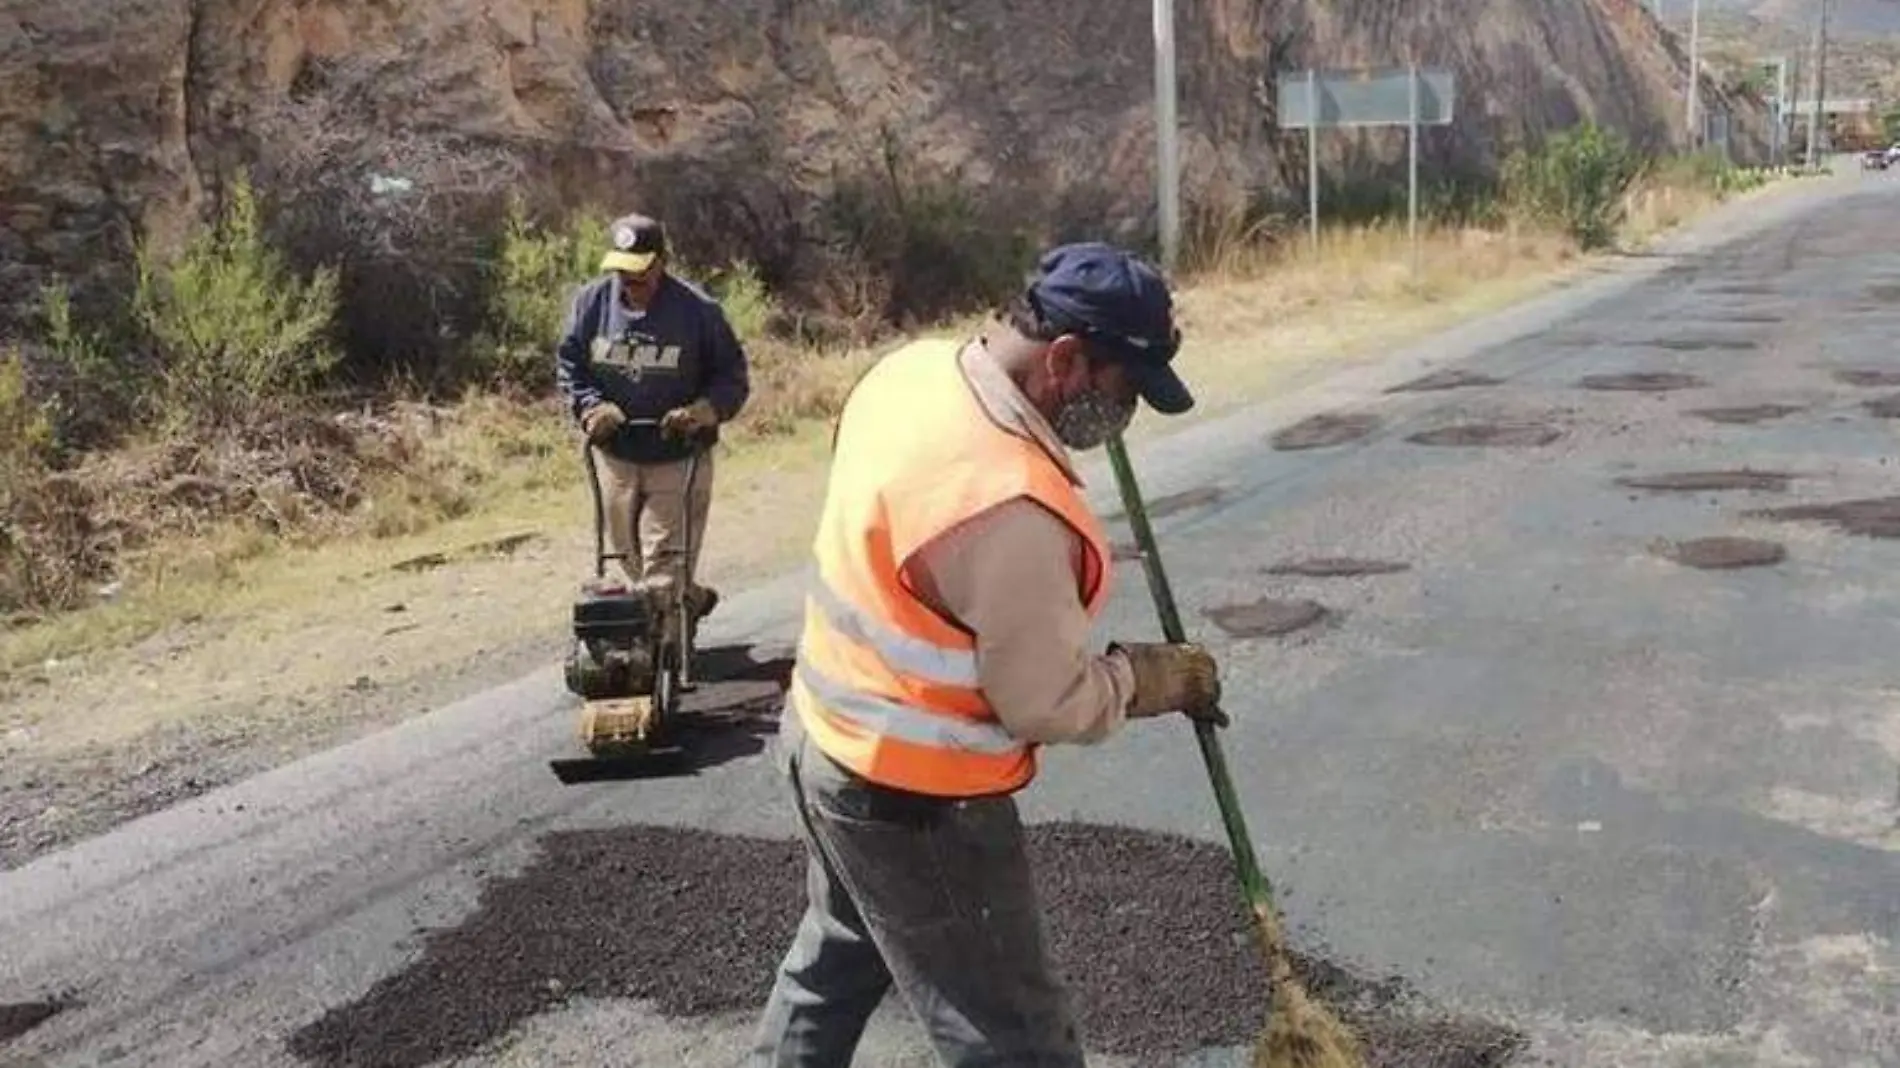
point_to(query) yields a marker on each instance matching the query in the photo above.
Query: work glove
(601, 421)
(1173, 678)
(694, 418)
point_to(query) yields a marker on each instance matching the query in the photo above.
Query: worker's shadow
(731, 713)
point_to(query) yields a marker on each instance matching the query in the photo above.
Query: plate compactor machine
(632, 653)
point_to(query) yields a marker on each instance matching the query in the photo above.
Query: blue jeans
(930, 896)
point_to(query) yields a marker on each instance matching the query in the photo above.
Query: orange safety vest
(884, 685)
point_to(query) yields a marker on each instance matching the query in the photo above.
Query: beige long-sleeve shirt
(1008, 576)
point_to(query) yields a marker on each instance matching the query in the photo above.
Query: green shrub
(231, 324)
(1577, 181)
(534, 277)
(749, 305)
(30, 578)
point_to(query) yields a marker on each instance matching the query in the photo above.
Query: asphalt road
(1546, 774)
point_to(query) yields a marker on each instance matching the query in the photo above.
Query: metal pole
(1779, 111)
(1312, 157)
(1167, 136)
(1820, 79)
(1815, 80)
(1695, 73)
(1413, 167)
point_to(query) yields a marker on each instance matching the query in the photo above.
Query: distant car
(1875, 160)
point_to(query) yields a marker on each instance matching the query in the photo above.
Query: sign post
(1312, 157)
(1410, 96)
(1412, 171)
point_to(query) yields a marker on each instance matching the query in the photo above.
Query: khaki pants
(650, 500)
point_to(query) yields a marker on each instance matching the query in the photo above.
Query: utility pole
(1819, 82)
(1167, 137)
(1695, 74)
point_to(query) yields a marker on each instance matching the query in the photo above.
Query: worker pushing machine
(651, 368)
(946, 637)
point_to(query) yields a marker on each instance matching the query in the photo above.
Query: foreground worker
(641, 344)
(945, 638)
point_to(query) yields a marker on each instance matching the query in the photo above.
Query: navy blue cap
(1107, 295)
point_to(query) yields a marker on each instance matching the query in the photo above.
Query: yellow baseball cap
(637, 241)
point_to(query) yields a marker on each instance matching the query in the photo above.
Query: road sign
(1411, 97)
(1377, 97)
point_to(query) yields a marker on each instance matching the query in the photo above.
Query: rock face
(733, 117)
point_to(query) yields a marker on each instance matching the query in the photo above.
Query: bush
(1576, 181)
(92, 383)
(531, 286)
(28, 577)
(231, 324)
(406, 216)
(941, 249)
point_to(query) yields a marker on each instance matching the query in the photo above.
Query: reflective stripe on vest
(912, 656)
(884, 685)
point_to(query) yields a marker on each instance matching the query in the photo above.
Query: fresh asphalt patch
(1147, 931)
(1488, 435)
(1710, 481)
(1267, 617)
(1325, 431)
(1722, 553)
(1868, 377)
(1338, 567)
(1175, 503)
(17, 1018)
(1887, 407)
(1641, 382)
(1709, 344)
(1873, 517)
(1451, 378)
(1745, 415)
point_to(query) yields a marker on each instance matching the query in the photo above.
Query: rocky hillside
(734, 117)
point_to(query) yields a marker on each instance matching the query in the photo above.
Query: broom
(1301, 1033)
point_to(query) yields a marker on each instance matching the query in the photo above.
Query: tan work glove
(685, 422)
(600, 421)
(1173, 678)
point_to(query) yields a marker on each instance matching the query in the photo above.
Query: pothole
(1886, 292)
(1722, 553)
(1705, 344)
(1175, 503)
(1873, 517)
(1868, 377)
(1710, 481)
(1450, 378)
(1325, 431)
(1489, 435)
(1337, 567)
(1267, 617)
(1642, 382)
(1746, 414)
(1145, 931)
(1742, 289)
(1884, 407)
(17, 1018)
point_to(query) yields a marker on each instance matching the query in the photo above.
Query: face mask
(1090, 418)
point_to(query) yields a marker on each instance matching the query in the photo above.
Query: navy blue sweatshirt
(677, 351)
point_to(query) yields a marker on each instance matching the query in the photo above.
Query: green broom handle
(1252, 883)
